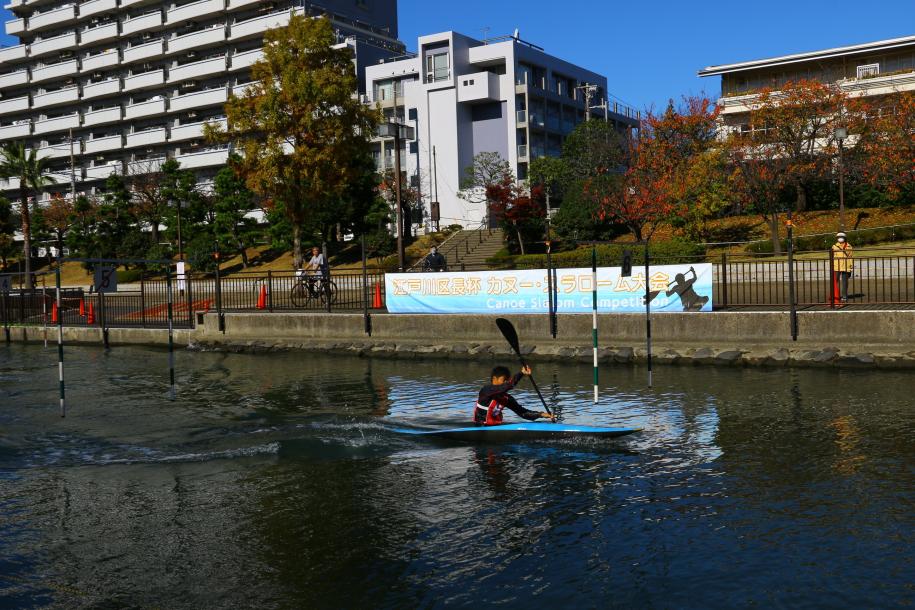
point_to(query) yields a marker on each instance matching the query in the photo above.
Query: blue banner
(671, 288)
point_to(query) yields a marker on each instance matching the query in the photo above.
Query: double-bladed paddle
(511, 335)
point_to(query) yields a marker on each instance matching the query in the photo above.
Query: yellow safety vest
(842, 257)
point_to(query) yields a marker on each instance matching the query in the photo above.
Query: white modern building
(465, 96)
(134, 81)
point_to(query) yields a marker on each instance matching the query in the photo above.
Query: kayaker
(494, 398)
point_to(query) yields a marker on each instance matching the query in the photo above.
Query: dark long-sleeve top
(500, 394)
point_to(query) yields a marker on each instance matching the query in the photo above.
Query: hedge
(861, 237)
(611, 255)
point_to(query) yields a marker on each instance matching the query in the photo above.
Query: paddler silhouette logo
(683, 288)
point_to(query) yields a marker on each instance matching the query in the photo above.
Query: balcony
(102, 116)
(144, 51)
(9, 184)
(239, 89)
(12, 79)
(55, 151)
(53, 45)
(143, 22)
(214, 65)
(242, 60)
(144, 80)
(97, 145)
(150, 137)
(12, 53)
(235, 4)
(194, 10)
(15, 104)
(54, 98)
(60, 123)
(147, 108)
(206, 158)
(100, 33)
(94, 7)
(258, 25)
(15, 131)
(101, 172)
(64, 68)
(210, 36)
(15, 26)
(105, 59)
(145, 166)
(190, 131)
(199, 99)
(105, 87)
(60, 16)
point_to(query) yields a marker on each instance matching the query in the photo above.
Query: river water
(274, 481)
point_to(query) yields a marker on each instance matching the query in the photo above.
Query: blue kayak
(518, 432)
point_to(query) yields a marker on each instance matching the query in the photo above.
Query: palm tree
(17, 162)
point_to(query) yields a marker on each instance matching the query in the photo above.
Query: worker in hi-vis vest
(842, 263)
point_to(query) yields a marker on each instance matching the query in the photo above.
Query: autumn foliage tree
(884, 144)
(520, 211)
(299, 125)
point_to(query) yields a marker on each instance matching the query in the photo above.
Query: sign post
(105, 280)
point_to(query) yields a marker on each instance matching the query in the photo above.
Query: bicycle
(312, 287)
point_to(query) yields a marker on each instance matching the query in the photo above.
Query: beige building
(877, 68)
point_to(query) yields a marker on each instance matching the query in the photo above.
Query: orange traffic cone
(90, 319)
(377, 302)
(262, 297)
(82, 307)
(54, 312)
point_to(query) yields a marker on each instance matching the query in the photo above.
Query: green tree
(32, 172)
(299, 125)
(232, 199)
(7, 229)
(594, 148)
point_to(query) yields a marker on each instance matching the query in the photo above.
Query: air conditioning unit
(192, 115)
(147, 35)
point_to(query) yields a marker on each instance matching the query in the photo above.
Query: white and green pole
(594, 312)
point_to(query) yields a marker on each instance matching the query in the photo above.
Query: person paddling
(494, 398)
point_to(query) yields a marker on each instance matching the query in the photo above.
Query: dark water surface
(275, 482)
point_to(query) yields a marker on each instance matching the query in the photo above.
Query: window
(437, 66)
(868, 70)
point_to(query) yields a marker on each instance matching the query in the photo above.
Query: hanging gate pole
(60, 346)
(594, 312)
(171, 341)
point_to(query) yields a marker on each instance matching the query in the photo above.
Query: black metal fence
(747, 281)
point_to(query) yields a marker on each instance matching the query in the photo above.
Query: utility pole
(588, 90)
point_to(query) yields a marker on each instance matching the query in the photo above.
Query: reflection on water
(275, 480)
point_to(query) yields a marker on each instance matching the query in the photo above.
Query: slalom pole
(594, 312)
(60, 345)
(44, 309)
(171, 341)
(647, 314)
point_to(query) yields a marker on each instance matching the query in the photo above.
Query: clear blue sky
(650, 51)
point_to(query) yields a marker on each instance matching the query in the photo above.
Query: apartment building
(465, 96)
(134, 81)
(879, 68)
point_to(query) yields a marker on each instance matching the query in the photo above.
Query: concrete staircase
(471, 248)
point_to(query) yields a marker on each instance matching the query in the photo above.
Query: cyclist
(315, 269)
(434, 261)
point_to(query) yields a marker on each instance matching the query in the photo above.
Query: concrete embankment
(826, 338)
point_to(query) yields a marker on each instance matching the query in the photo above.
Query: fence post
(190, 299)
(724, 280)
(221, 324)
(270, 291)
(367, 320)
(6, 306)
(832, 279)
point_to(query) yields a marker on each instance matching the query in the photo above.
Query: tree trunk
(296, 245)
(407, 222)
(773, 228)
(801, 198)
(244, 253)
(26, 233)
(520, 241)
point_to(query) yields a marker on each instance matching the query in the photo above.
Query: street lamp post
(399, 132)
(841, 133)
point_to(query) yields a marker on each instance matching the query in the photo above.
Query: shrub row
(863, 237)
(611, 255)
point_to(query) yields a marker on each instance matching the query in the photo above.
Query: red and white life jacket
(493, 413)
